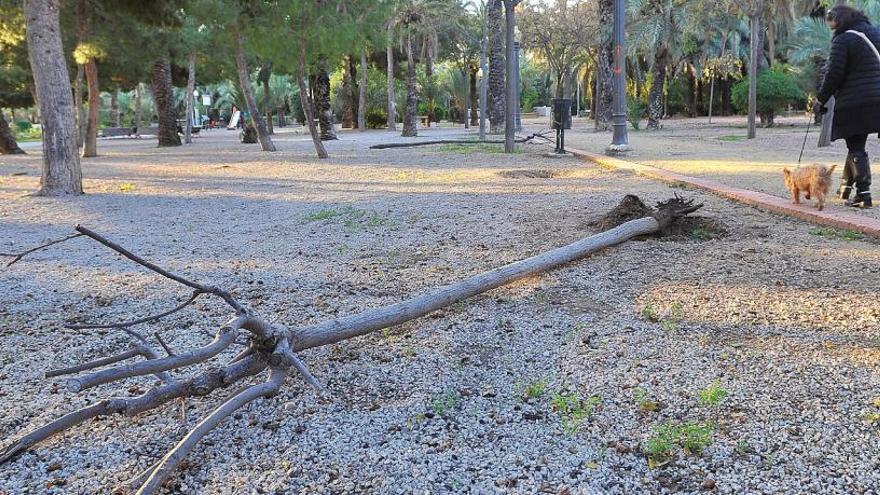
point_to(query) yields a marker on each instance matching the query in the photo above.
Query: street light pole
(620, 141)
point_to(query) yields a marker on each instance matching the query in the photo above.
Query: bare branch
(97, 363)
(201, 384)
(131, 323)
(17, 256)
(173, 458)
(161, 271)
(222, 340)
(304, 371)
(163, 344)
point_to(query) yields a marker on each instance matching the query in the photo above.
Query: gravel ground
(554, 384)
(720, 151)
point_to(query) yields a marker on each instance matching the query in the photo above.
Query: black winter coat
(853, 78)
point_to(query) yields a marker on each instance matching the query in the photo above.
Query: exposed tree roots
(271, 347)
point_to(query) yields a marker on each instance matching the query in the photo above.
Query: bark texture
(362, 93)
(61, 173)
(510, 77)
(605, 62)
(78, 105)
(163, 95)
(8, 145)
(392, 99)
(306, 103)
(755, 35)
(410, 127)
(495, 29)
(190, 103)
(244, 80)
(655, 95)
(322, 103)
(474, 95)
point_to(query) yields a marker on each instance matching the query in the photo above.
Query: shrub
(376, 119)
(23, 126)
(636, 109)
(776, 90)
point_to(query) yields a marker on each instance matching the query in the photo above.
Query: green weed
(126, 187)
(535, 390)
(644, 404)
(352, 218)
(843, 235)
(668, 438)
(649, 312)
(442, 405)
(732, 138)
(573, 410)
(713, 394)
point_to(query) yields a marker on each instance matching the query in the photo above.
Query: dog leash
(803, 146)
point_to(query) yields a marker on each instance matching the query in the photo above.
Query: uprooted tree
(271, 348)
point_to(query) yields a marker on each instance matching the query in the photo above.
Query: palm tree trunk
(473, 94)
(8, 146)
(306, 102)
(510, 77)
(410, 128)
(605, 62)
(164, 98)
(322, 102)
(655, 96)
(362, 93)
(244, 80)
(496, 66)
(61, 173)
(347, 94)
(392, 111)
(431, 96)
(190, 104)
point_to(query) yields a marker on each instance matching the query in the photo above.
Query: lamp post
(620, 141)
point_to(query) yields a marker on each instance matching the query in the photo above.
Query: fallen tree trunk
(270, 345)
(383, 146)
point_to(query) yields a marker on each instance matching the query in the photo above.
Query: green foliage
(444, 404)
(376, 119)
(535, 390)
(777, 89)
(23, 126)
(573, 410)
(636, 110)
(713, 394)
(844, 235)
(469, 149)
(643, 403)
(352, 218)
(662, 446)
(649, 313)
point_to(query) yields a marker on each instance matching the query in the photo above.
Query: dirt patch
(630, 208)
(692, 228)
(541, 173)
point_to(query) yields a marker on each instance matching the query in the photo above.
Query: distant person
(853, 78)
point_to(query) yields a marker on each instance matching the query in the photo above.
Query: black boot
(862, 176)
(846, 180)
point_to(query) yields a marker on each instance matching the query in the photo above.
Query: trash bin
(561, 113)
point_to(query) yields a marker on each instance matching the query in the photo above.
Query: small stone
(708, 484)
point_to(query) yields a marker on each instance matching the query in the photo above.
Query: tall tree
(15, 77)
(392, 99)
(496, 65)
(511, 76)
(322, 102)
(362, 92)
(163, 95)
(86, 55)
(605, 67)
(754, 10)
(245, 83)
(61, 172)
(190, 97)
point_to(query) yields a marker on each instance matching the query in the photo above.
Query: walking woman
(853, 78)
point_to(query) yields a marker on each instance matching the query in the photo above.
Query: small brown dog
(813, 180)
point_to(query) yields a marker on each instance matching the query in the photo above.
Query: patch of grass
(732, 138)
(468, 149)
(676, 314)
(700, 234)
(535, 390)
(668, 438)
(409, 351)
(843, 235)
(351, 217)
(713, 394)
(573, 410)
(126, 187)
(644, 404)
(442, 405)
(669, 326)
(649, 313)
(678, 185)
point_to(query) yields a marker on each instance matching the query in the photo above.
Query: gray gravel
(772, 313)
